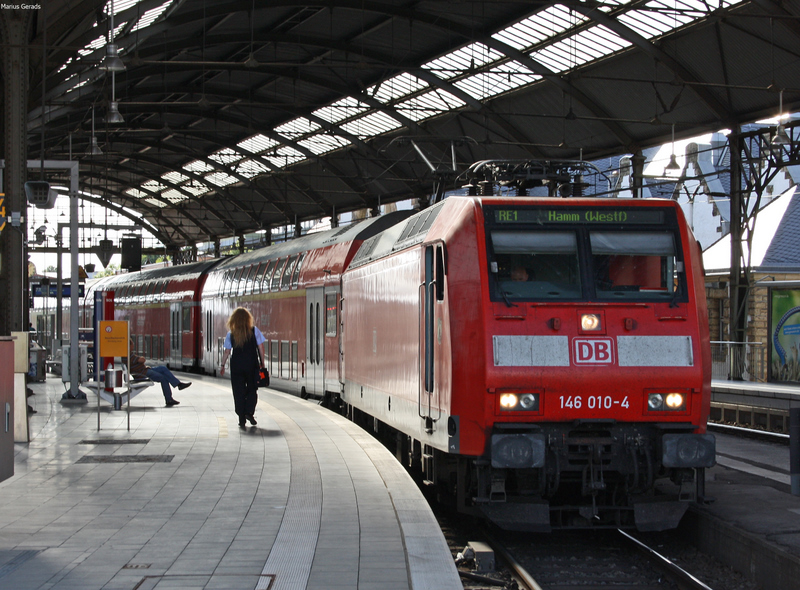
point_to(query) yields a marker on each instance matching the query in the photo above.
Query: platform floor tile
(184, 498)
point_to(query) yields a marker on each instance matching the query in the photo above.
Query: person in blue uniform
(159, 374)
(242, 343)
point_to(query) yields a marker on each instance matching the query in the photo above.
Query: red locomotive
(545, 362)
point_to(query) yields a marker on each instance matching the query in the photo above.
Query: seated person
(520, 274)
(159, 374)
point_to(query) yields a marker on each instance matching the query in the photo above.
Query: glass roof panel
(457, 62)
(150, 16)
(198, 166)
(552, 21)
(136, 193)
(257, 144)
(429, 105)
(250, 168)
(196, 188)
(396, 87)
(283, 156)
(152, 185)
(174, 177)
(220, 178)
(341, 109)
(297, 128)
(174, 196)
(226, 156)
(322, 143)
(156, 202)
(373, 124)
(500, 79)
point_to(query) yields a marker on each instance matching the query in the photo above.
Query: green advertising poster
(784, 329)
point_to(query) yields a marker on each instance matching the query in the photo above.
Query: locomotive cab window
(584, 253)
(635, 265)
(535, 264)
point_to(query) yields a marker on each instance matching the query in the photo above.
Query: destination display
(580, 215)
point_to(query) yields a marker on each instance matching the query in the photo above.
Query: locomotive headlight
(529, 402)
(665, 402)
(508, 401)
(674, 401)
(519, 402)
(590, 322)
(655, 402)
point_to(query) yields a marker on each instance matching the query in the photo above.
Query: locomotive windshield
(575, 254)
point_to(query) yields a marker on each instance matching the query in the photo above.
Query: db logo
(593, 350)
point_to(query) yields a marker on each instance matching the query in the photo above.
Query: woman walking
(242, 344)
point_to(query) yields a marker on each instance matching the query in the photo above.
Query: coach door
(432, 290)
(315, 341)
(175, 333)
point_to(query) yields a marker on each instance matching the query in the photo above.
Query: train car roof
(154, 274)
(361, 230)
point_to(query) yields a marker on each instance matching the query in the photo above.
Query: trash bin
(113, 377)
(37, 367)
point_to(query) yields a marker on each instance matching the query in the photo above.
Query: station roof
(246, 115)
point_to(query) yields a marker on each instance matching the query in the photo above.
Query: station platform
(187, 499)
(752, 522)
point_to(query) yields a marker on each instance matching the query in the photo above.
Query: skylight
(283, 156)
(297, 128)
(221, 179)
(396, 87)
(323, 143)
(370, 125)
(257, 144)
(226, 156)
(341, 109)
(462, 60)
(149, 17)
(250, 168)
(198, 166)
(173, 196)
(429, 105)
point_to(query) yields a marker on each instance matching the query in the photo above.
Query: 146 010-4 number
(593, 402)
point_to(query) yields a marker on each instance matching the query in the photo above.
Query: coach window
(234, 284)
(267, 276)
(535, 265)
(247, 280)
(286, 280)
(254, 282)
(330, 314)
(273, 356)
(296, 272)
(440, 272)
(636, 265)
(276, 277)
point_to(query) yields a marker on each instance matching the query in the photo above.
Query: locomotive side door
(315, 341)
(175, 335)
(431, 289)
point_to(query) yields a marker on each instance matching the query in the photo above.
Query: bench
(135, 387)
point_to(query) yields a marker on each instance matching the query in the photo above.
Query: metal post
(794, 447)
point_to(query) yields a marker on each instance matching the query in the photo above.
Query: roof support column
(14, 27)
(738, 293)
(637, 179)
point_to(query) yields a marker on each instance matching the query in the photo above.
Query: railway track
(589, 560)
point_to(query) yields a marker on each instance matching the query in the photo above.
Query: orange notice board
(113, 338)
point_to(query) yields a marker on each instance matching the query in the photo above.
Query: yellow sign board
(113, 338)
(2, 211)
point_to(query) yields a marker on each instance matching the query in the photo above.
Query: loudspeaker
(131, 254)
